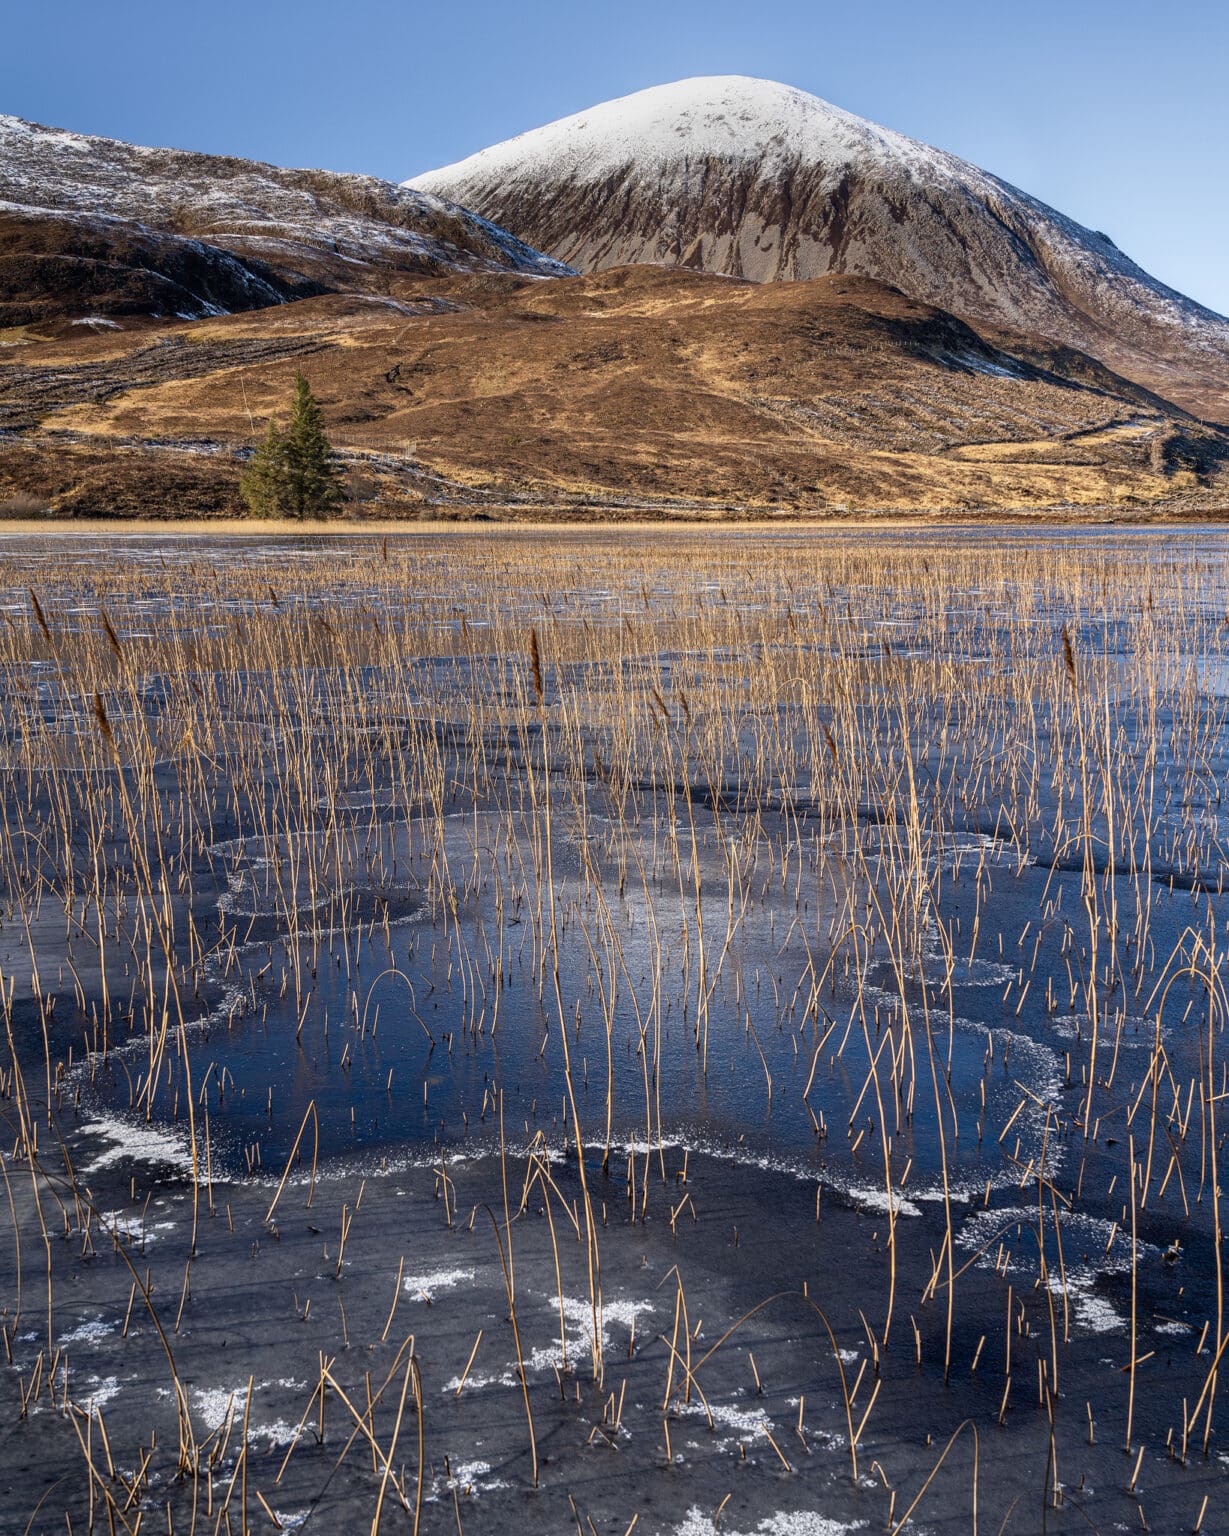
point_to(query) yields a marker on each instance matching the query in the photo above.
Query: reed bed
(782, 975)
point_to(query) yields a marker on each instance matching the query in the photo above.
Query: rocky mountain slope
(758, 180)
(95, 227)
(637, 390)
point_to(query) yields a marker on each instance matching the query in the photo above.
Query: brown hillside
(635, 387)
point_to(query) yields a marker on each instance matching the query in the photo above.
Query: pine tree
(294, 473)
(313, 479)
(263, 483)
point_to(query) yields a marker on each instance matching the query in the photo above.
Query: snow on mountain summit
(708, 117)
(763, 181)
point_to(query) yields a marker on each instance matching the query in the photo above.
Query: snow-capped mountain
(94, 225)
(759, 180)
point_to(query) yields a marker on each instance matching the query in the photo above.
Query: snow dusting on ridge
(759, 180)
(692, 120)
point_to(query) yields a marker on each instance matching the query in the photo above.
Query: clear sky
(1114, 111)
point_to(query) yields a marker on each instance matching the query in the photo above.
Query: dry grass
(633, 389)
(812, 718)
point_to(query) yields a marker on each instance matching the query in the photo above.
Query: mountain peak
(755, 179)
(704, 117)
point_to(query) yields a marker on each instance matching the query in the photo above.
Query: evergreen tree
(294, 473)
(263, 482)
(313, 479)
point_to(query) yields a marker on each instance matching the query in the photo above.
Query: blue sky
(1115, 111)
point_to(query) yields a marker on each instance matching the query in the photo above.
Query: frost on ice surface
(578, 1329)
(1093, 1312)
(128, 1141)
(477, 1380)
(746, 1423)
(784, 1523)
(1106, 1247)
(466, 1472)
(473, 1478)
(99, 1391)
(129, 1228)
(871, 1198)
(91, 1331)
(425, 1287)
(216, 1404)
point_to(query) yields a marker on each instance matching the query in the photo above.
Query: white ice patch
(476, 1381)
(214, 1403)
(578, 1329)
(467, 1472)
(276, 1434)
(873, 1198)
(99, 1391)
(92, 1331)
(784, 1523)
(1077, 1027)
(131, 1229)
(746, 1423)
(473, 1478)
(1093, 1312)
(1085, 1241)
(425, 1287)
(129, 1141)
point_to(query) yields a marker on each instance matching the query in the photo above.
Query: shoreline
(482, 521)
